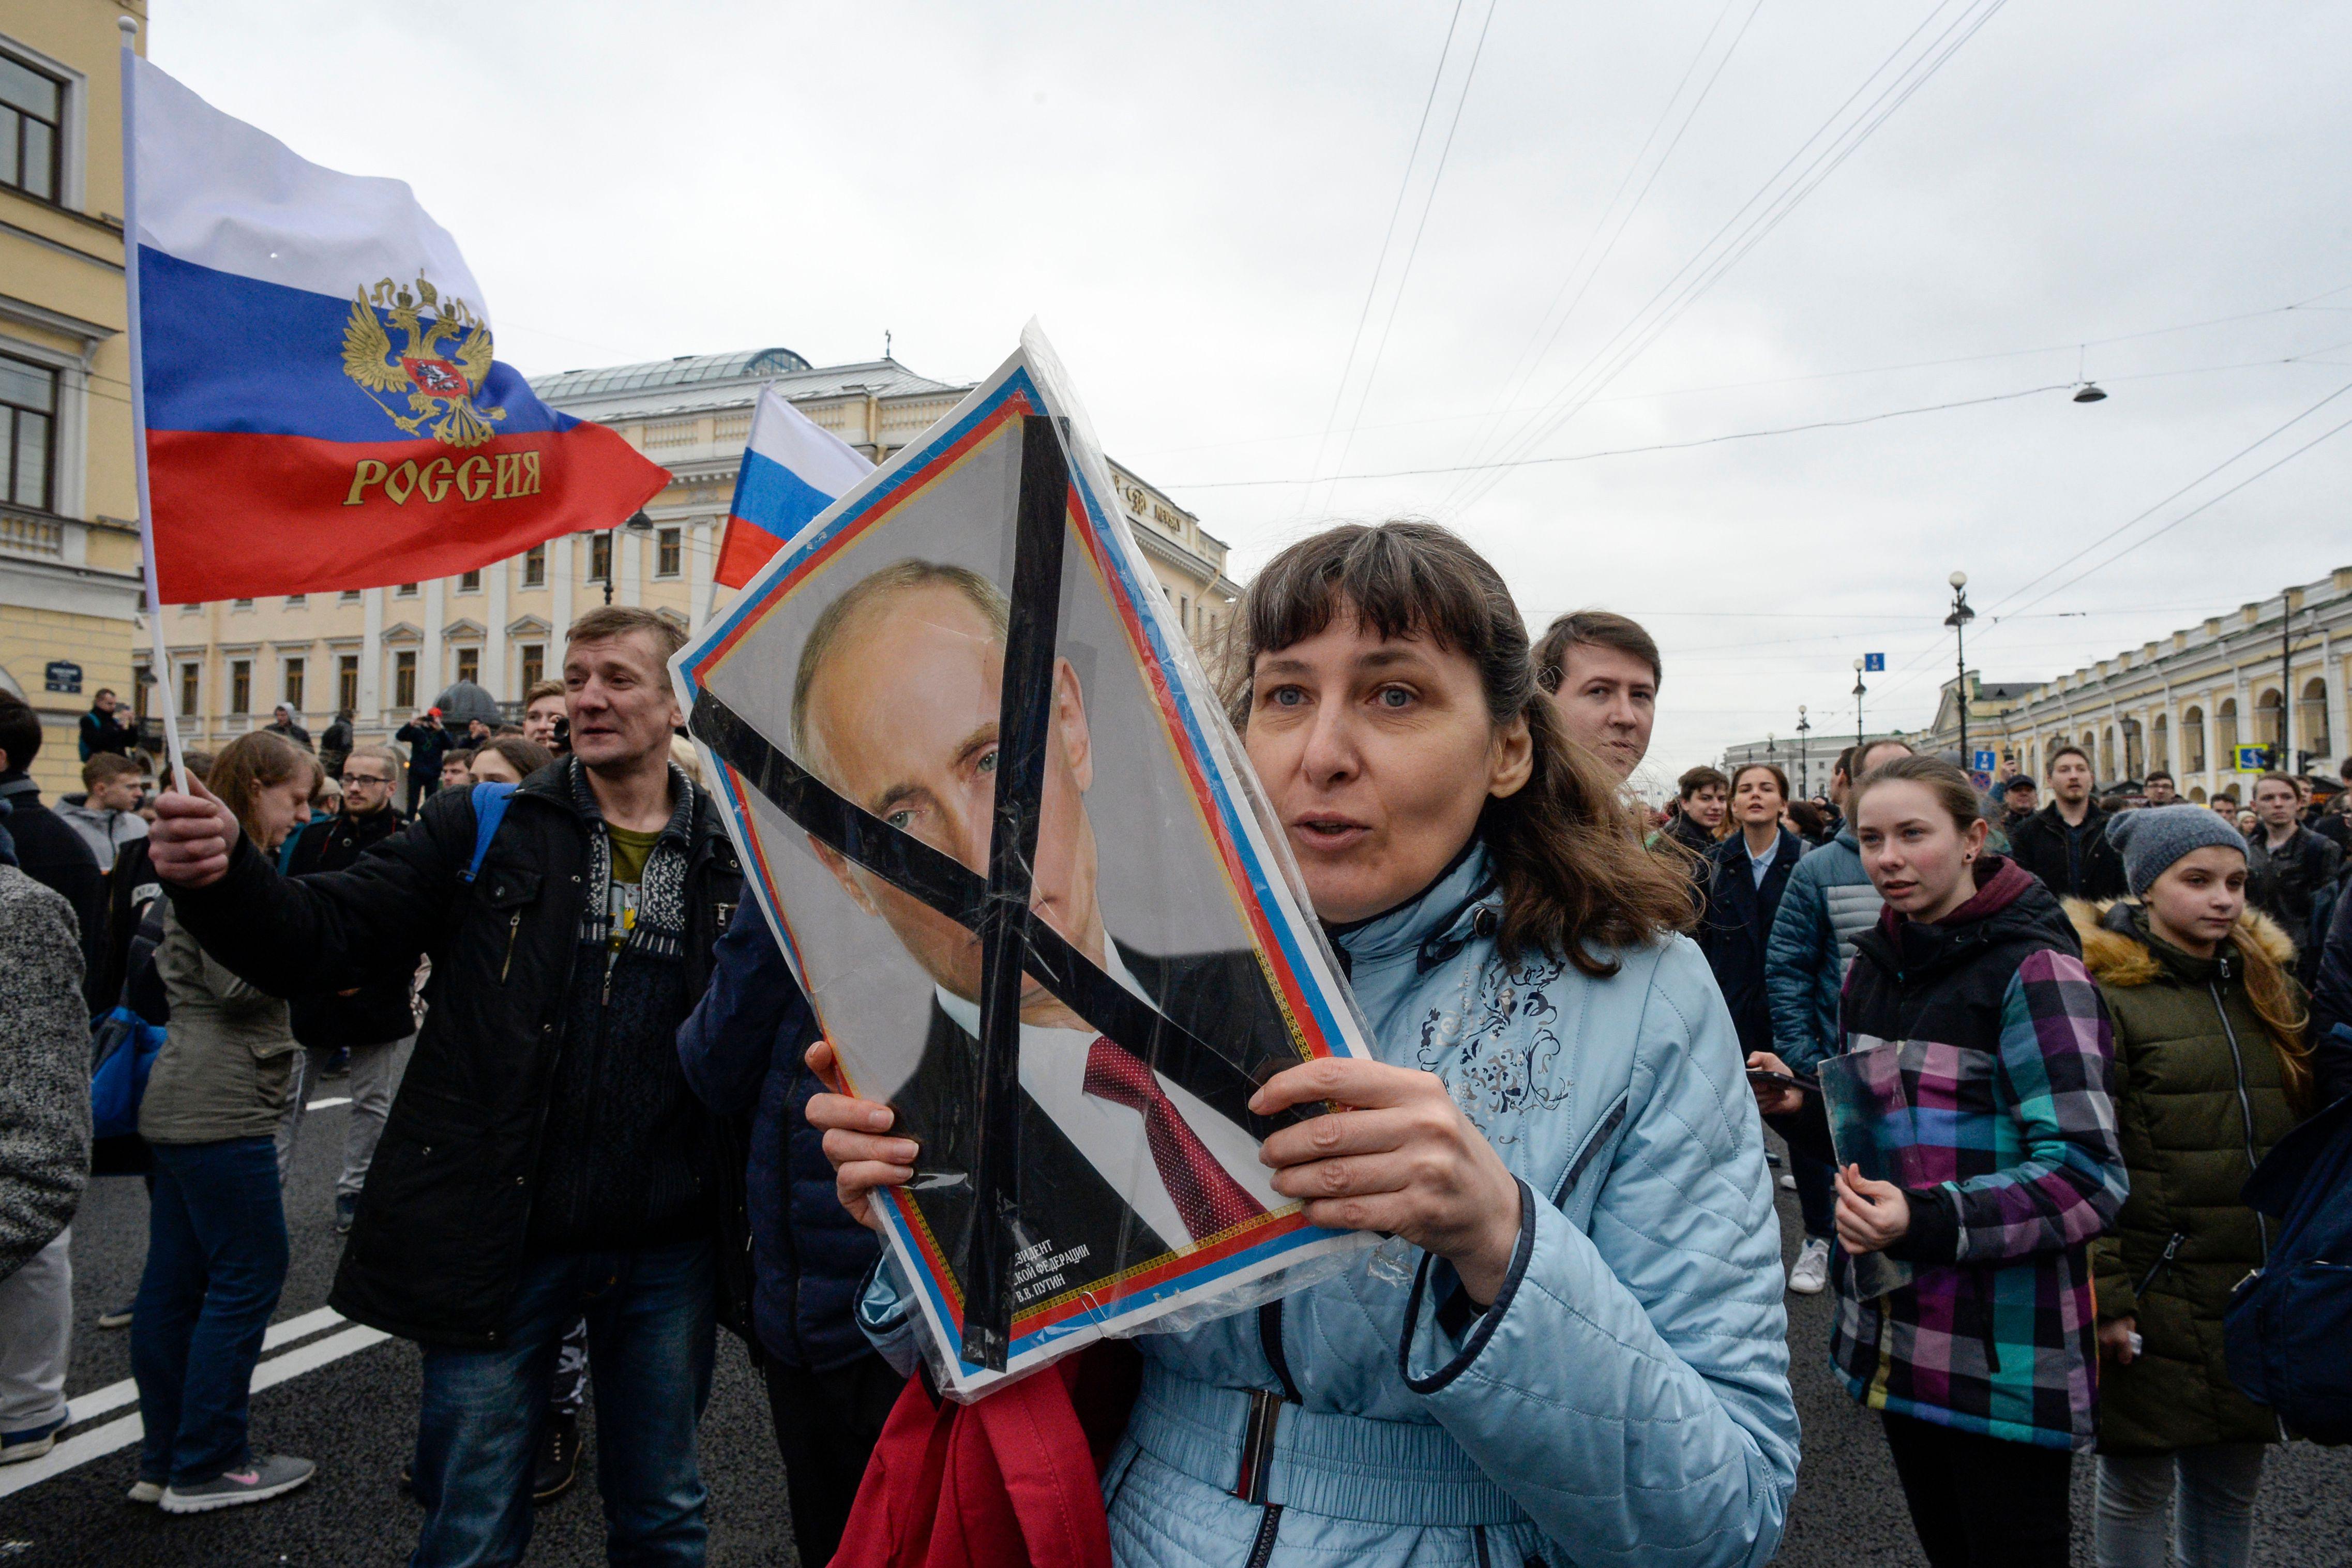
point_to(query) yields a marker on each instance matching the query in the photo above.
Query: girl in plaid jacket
(1982, 1053)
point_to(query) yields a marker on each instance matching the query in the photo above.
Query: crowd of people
(2017, 1059)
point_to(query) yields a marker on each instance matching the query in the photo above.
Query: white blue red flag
(322, 406)
(792, 471)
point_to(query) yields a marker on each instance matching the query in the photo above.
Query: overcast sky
(1193, 198)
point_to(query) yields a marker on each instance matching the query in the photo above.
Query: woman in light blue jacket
(1573, 1351)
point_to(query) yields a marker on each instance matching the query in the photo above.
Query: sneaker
(146, 1490)
(264, 1476)
(115, 1317)
(347, 1205)
(15, 1447)
(338, 1065)
(559, 1458)
(1811, 1273)
(1788, 1183)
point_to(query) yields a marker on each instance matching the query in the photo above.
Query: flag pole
(162, 660)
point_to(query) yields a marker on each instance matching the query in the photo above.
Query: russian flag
(792, 471)
(321, 406)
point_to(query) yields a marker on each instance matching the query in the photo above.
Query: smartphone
(1783, 1080)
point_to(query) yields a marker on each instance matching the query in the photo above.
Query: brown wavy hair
(252, 763)
(1567, 847)
(2278, 1003)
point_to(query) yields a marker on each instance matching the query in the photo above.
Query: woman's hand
(1401, 1158)
(1771, 1098)
(1871, 1216)
(856, 1140)
(2116, 1336)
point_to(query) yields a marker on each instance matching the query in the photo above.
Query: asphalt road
(355, 1415)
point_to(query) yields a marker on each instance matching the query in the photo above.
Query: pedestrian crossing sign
(2253, 759)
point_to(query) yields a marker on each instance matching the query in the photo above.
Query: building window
(469, 583)
(406, 591)
(2225, 725)
(534, 665)
(2193, 739)
(535, 566)
(669, 552)
(2311, 722)
(403, 678)
(298, 601)
(29, 423)
(600, 558)
(188, 673)
(347, 683)
(240, 686)
(2159, 750)
(293, 685)
(348, 597)
(2268, 709)
(32, 110)
(240, 603)
(470, 665)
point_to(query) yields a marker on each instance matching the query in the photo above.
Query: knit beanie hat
(2152, 837)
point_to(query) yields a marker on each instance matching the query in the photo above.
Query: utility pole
(2285, 760)
(1804, 756)
(1858, 689)
(1958, 621)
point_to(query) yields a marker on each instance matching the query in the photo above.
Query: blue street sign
(1871, 661)
(1985, 762)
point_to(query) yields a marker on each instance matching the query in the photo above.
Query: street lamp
(1858, 689)
(638, 522)
(1958, 621)
(1804, 756)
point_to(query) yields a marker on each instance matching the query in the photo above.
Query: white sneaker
(145, 1491)
(1811, 1273)
(1788, 1183)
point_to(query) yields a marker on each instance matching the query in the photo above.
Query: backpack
(2289, 1321)
(489, 810)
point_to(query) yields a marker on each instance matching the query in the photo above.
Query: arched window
(2225, 725)
(2159, 744)
(2135, 752)
(2197, 794)
(2192, 741)
(2107, 756)
(2268, 708)
(2311, 719)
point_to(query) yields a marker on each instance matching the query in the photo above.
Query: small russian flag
(792, 471)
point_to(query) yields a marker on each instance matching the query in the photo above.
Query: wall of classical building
(2186, 703)
(385, 652)
(69, 585)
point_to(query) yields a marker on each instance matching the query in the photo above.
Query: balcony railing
(30, 533)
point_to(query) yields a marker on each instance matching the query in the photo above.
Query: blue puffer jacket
(742, 1050)
(1625, 1400)
(1828, 902)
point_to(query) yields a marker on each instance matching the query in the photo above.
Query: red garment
(1010, 1480)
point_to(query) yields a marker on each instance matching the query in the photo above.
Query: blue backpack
(2289, 1321)
(489, 810)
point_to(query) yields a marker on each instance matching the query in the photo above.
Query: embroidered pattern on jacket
(1498, 1050)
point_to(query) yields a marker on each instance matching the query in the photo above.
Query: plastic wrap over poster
(995, 817)
(1870, 1116)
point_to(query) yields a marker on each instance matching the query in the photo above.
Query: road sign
(2253, 759)
(1986, 762)
(1873, 661)
(61, 675)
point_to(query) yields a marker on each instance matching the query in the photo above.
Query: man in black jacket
(426, 742)
(2289, 867)
(48, 847)
(2066, 843)
(374, 1021)
(545, 1155)
(106, 727)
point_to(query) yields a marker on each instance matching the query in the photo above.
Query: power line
(1633, 451)
(1516, 383)
(1404, 274)
(1743, 231)
(1388, 237)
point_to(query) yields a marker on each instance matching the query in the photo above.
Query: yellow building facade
(384, 653)
(69, 583)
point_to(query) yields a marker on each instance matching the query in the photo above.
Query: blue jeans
(1816, 1183)
(216, 1263)
(650, 1331)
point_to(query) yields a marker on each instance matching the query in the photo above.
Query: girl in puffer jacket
(1977, 1063)
(2211, 1070)
(1574, 1350)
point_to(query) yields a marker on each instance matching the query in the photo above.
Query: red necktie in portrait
(1206, 1195)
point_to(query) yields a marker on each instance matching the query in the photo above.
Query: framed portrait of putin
(988, 801)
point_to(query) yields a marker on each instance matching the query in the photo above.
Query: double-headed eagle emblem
(440, 384)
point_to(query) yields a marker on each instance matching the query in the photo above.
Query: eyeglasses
(365, 778)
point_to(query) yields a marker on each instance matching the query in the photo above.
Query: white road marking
(123, 1432)
(114, 1395)
(328, 1104)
